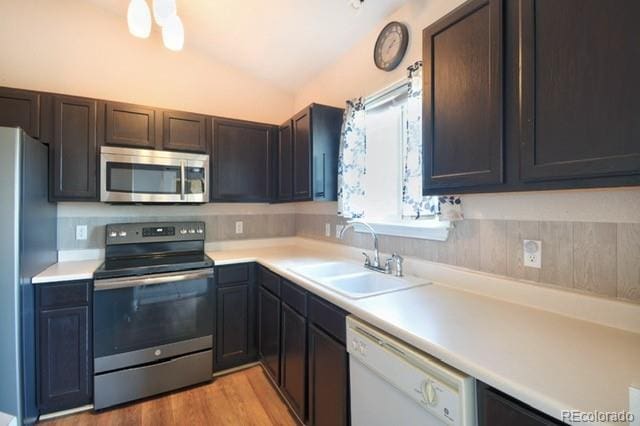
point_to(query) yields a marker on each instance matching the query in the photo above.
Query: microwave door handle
(182, 182)
(114, 283)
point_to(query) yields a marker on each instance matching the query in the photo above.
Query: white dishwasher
(394, 384)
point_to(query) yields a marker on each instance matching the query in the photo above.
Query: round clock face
(391, 46)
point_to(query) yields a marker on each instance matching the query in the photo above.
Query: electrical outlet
(532, 250)
(327, 229)
(239, 227)
(339, 230)
(81, 232)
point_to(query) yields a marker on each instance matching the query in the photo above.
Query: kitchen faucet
(375, 264)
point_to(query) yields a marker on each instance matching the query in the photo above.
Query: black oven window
(143, 178)
(132, 318)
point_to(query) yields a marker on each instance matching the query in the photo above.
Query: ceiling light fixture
(139, 18)
(173, 33)
(163, 10)
(165, 15)
(357, 4)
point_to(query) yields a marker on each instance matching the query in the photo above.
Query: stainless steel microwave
(147, 176)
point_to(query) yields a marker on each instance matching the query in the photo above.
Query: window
(380, 176)
(385, 124)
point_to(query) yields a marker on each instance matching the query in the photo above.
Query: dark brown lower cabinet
(64, 360)
(294, 360)
(235, 341)
(328, 380)
(498, 409)
(269, 332)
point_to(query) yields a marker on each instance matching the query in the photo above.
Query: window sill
(422, 229)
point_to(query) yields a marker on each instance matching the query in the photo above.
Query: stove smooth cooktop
(147, 265)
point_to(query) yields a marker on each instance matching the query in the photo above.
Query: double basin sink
(353, 280)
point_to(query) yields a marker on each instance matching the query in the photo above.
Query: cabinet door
(462, 106)
(580, 98)
(64, 359)
(235, 339)
(497, 409)
(294, 360)
(20, 108)
(327, 124)
(302, 146)
(328, 380)
(242, 161)
(285, 162)
(269, 333)
(129, 125)
(183, 131)
(75, 156)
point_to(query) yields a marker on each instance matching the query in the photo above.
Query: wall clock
(391, 46)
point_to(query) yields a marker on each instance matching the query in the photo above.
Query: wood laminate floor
(242, 398)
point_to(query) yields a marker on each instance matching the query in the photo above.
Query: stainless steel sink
(353, 281)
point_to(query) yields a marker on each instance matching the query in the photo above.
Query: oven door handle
(114, 283)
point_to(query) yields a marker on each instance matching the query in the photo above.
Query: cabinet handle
(321, 193)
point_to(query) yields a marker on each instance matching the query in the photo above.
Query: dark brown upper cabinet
(285, 162)
(20, 108)
(74, 149)
(242, 161)
(129, 125)
(462, 98)
(184, 131)
(309, 169)
(580, 98)
(302, 161)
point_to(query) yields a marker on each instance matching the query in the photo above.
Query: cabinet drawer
(270, 281)
(328, 317)
(234, 274)
(63, 294)
(294, 296)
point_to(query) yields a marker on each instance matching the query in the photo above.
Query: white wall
(75, 47)
(356, 75)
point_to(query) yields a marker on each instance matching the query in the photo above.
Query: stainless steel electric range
(153, 311)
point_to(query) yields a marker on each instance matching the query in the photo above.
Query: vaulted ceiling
(285, 42)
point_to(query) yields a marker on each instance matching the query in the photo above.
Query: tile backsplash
(218, 227)
(594, 257)
(598, 257)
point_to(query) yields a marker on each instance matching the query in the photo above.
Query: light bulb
(173, 33)
(163, 10)
(139, 18)
(356, 4)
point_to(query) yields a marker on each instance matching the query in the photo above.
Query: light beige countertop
(506, 335)
(549, 361)
(68, 271)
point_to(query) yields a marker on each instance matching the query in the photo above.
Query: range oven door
(145, 176)
(139, 320)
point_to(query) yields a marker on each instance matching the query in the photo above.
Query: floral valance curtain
(413, 203)
(352, 161)
(353, 154)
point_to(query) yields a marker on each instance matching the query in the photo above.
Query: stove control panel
(129, 233)
(159, 231)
